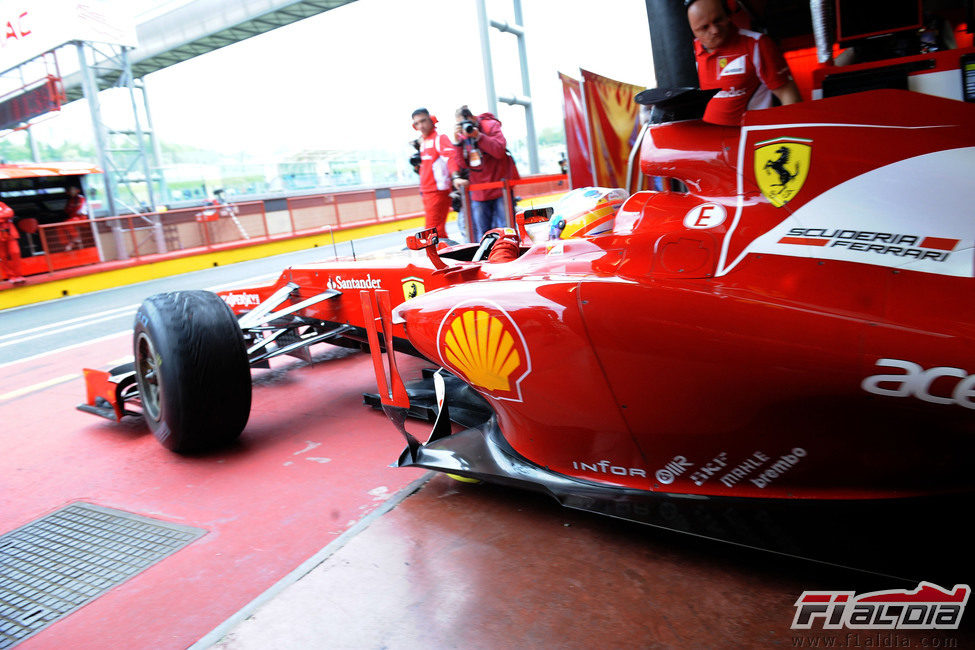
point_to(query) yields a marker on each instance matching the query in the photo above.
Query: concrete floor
(480, 566)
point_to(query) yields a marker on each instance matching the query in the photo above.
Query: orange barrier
(311, 213)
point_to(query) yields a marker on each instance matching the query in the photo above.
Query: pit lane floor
(300, 553)
(311, 464)
(480, 566)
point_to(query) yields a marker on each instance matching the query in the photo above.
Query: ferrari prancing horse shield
(413, 287)
(781, 167)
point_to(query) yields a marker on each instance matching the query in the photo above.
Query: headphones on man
(433, 118)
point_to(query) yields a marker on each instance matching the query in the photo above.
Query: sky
(350, 77)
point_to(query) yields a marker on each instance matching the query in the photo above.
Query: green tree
(551, 136)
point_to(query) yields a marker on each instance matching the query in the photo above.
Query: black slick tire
(192, 370)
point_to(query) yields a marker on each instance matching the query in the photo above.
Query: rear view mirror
(531, 216)
(423, 239)
(536, 215)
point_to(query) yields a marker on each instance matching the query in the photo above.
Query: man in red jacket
(437, 163)
(485, 152)
(10, 265)
(744, 65)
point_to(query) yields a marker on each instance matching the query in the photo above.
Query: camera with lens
(467, 127)
(456, 200)
(416, 158)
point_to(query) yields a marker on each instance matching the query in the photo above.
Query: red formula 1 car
(194, 349)
(780, 356)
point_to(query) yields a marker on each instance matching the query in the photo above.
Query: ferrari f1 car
(790, 331)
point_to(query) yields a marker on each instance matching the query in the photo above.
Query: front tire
(192, 370)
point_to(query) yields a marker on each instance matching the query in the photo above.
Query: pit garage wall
(183, 229)
(135, 236)
(303, 222)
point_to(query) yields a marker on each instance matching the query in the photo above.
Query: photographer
(485, 154)
(437, 163)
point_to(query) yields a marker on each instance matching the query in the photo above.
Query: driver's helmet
(586, 211)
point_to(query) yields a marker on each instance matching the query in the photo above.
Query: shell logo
(483, 345)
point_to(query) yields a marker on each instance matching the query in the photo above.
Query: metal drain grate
(54, 565)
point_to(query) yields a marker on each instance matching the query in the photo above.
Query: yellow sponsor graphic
(581, 224)
(781, 168)
(413, 287)
(484, 346)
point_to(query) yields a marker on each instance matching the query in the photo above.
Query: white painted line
(52, 329)
(245, 281)
(21, 333)
(66, 348)
(62, 330)
(20, 392)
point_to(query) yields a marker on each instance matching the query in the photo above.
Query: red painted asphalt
(311, 462)
(455, 565)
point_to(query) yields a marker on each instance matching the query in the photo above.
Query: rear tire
(192, 370)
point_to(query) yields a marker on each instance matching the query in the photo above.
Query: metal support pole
(482, 26)
(85, 185)
(156, 220)
(35, 153)
(91, 94)
(156, 151)
(527, 90)
(120, 248)
(90, 89)
(139, 134)
(523, 100)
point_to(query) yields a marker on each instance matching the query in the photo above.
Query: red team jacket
(747, 68)
(495, 164)
(438, 160)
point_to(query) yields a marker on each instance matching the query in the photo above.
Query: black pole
(672, 44)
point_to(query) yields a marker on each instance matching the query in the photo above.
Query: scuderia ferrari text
(937, 249)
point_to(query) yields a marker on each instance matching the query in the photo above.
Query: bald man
(745, 65)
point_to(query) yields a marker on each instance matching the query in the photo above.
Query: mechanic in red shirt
(76, 209)
(484, 150)
(10, 265)
(745, 65)
(437, 163)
